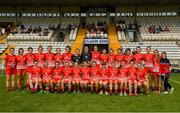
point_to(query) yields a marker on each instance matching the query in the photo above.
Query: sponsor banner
(95, 41)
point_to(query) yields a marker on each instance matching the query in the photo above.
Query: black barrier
(175, 70)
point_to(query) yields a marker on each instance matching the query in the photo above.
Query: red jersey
(132, 72)
(120, 57)
(47, 72)
(85, 72)
(21, 62)
(164, 68)
(35, 72)
(156, 64)
(138, 57)
(148, 58)
(76, 71)
(29, 59)
(10, 61)
(123, 72)
(113, 71)
(141, 74)
(104, 57)
(128, 58)
(111, 58)
(49, 57)
(67, 57)
(67, 72)
(57, 73)
(96, 56)
(58, 57)
(40, 57)
(94, 72)
(156, 60)
(104, 72)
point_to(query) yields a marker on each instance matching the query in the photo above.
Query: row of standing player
(23, 63)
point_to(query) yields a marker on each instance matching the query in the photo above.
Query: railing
(1, 67)
(139, 35)
(178, 43)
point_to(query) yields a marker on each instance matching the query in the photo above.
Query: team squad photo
(90, 56)
(123, 73)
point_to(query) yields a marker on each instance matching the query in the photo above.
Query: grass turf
(22, 101)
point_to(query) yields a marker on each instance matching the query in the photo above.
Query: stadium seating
(96, 35)
(3, 47)
(32, 36)
(65, 24)
(73, 26)
(173, 34)
(73, 34)
(97, 29)
(19, 35)
(121, 36)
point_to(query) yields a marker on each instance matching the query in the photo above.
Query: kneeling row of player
(79, 77)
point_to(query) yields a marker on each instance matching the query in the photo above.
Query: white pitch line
(177, 82)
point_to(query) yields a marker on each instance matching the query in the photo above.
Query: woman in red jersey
(67, 56)
(76, 70)
(30, 57)
(94, 71)
(132, 70)
(46, 75)
(10, 68)
(35, 77)
(104, 73)
(58, 56)
(156, 69)
(142, 78)
(138, 56)
(20, 66)
(96, 56)
(104, 56)
(128, 57)
(85, 71)
(148, 64)
(57, 77)
(111, 57)
(113, 77)
(49, 57)
(123, 78)
(67, 76)
(40, 57)
(119, 57)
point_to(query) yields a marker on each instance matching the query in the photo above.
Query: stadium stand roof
(84, 3)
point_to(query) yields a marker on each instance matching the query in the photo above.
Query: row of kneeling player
(78, 78)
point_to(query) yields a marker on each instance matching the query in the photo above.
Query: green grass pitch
(24, 101)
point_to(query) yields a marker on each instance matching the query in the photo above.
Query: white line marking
(177, 82)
